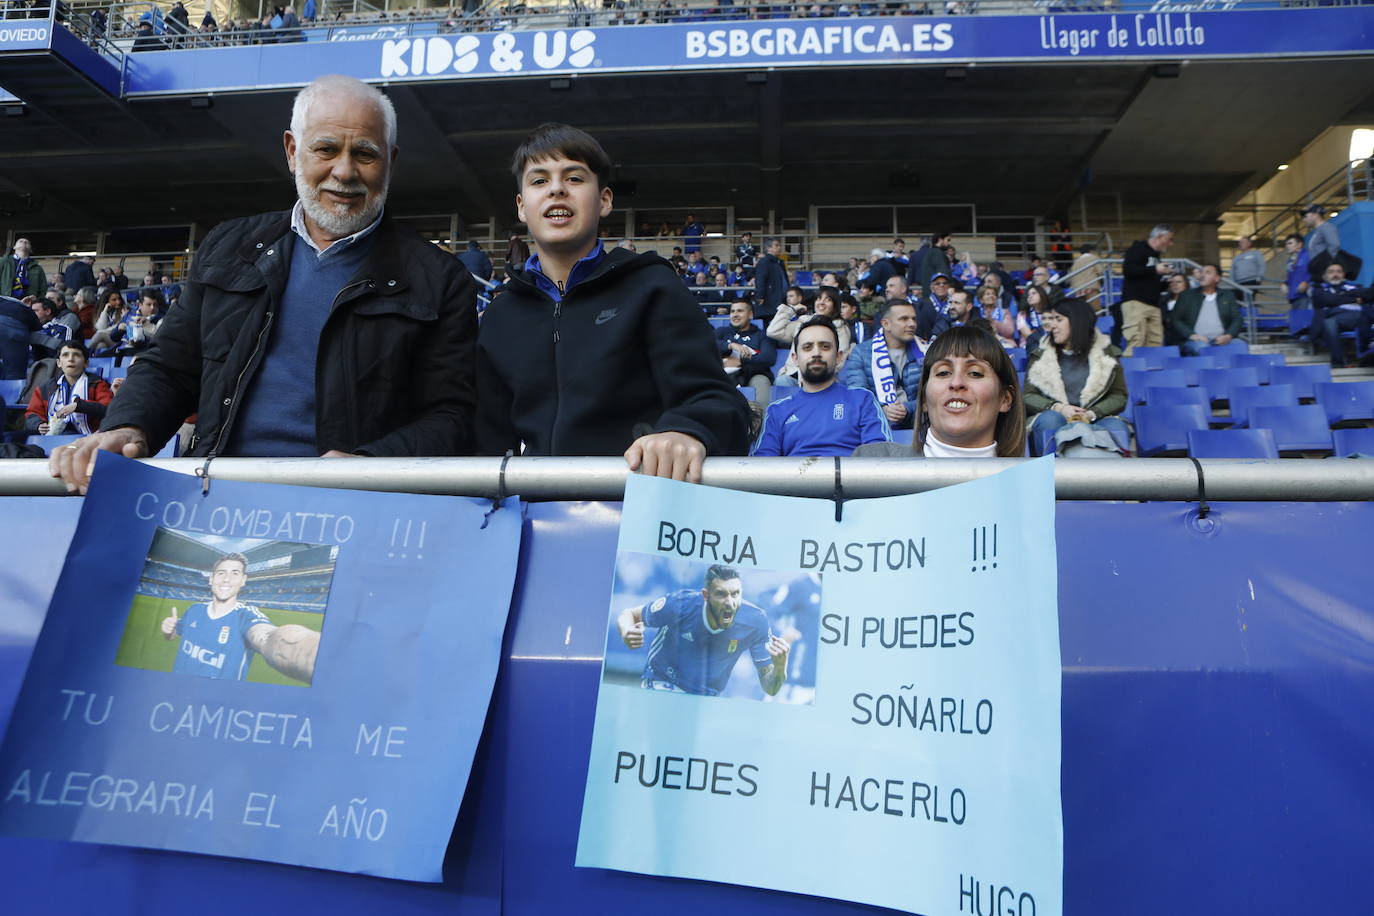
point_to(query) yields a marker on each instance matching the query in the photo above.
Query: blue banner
(291, 674)
(868, 709)
(369, 54)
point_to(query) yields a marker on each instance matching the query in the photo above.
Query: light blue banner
(25, 34)
(290, 674)
(910, 755)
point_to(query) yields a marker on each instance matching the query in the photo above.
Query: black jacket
(770, 286)
(626, 352)
(1140, 281)
(393, 374)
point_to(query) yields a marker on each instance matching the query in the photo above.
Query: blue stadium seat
(101, 365)
(1245, 398)
(781, 359)
(1299, 320)
(1347, 403)
(903, 436)
(171, 450)
(1106, 324)
(1232, 443)
(1018, 358)
(1304, 379)
(1219, 382)
(1296, 428)
(1177, 397)
(48, 443)
(1262, 363)
(1155, 356)
(1162, 431)
(1133, 363)
(1350, 443)
(1138, 382)
(1189, 365)
(10, 389)
(717, 321)
(806, 278)
(746, 390)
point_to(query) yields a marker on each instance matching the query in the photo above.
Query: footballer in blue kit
(219, 638)
(701, 634)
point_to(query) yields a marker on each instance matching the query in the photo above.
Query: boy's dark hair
(552, 140)
(74, 344)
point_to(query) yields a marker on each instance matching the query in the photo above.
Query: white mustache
(342, 188)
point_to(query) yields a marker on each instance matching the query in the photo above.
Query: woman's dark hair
(1044, 296)
(551, 140)
(830, 293)
(1082, 323)
(1010, 431)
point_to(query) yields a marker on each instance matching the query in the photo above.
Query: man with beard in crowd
(324, 331)
(824, 417)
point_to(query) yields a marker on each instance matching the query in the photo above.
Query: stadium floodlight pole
(542, 479)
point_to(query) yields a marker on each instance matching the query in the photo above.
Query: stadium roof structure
(1178, 142)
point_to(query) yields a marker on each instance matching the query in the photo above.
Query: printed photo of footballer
(229, 608)
(684, 626)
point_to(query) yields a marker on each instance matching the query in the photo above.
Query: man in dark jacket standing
(476, 260)
(1139, 317)
(78, 274)
(770, 281)
(329, 330)
(596, 352)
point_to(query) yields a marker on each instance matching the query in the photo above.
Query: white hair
(342, 85)
(1161, 229)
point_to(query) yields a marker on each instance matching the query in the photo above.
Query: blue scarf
(21, 277)
(66, 393)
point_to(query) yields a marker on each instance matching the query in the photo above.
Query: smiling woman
(969, 400)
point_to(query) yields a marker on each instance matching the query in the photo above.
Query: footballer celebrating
(701, 634)
(219, 638)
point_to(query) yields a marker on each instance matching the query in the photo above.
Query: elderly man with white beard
(328, 330)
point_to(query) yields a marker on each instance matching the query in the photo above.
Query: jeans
(1049, 422)
(1327, 331)
(1200, 347)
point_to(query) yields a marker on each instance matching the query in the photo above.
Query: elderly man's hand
(74, 463)
(674, 455)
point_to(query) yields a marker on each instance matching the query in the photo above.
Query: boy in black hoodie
(596, 352)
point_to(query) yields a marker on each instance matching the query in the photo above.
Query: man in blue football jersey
(701, 634)
(219, 638)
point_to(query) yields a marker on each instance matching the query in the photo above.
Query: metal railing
(1351, 183)
(542, 479)
(1111, 277)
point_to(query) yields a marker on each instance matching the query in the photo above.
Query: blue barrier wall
(1356, 225)
(1216, 732)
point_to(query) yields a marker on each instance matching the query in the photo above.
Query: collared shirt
(298, 226)
(580, 271)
